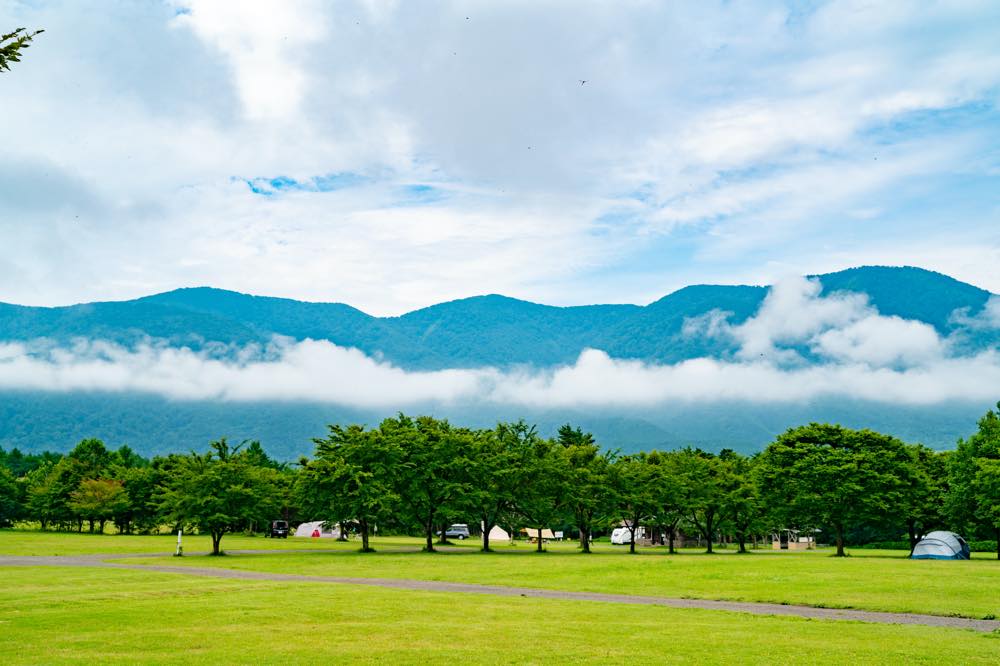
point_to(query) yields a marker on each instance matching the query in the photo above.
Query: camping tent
(941, 546)
(316, 528)
(498, 534)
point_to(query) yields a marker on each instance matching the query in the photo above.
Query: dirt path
(499, 590)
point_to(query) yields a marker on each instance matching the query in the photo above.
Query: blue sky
(392, 156)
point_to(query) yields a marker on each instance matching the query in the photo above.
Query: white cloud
(862, 355)
(710, 142)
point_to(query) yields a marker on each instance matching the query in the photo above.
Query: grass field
(64, 615)
(55, 615)
(871, 580)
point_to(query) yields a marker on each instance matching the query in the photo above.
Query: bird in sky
(582, 81)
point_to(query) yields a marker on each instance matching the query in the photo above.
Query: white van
(622, 537)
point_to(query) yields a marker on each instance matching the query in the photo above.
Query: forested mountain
(483, 330)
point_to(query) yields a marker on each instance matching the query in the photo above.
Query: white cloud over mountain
(856, 353)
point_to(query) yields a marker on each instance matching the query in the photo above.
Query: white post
(180, 549)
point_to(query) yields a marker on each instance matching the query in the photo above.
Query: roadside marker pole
(180, 549)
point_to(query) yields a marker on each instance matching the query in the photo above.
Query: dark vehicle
(279, 529)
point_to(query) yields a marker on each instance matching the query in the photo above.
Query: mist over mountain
(716, 366)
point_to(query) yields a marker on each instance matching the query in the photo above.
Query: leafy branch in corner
(11, 45)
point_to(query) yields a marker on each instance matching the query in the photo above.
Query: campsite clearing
(116, 615)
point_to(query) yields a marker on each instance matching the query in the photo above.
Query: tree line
(418, 475)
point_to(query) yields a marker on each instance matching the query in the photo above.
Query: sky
(392, 155)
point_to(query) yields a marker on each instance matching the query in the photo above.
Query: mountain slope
(486, 330)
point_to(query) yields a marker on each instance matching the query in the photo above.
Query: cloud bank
(799, 346)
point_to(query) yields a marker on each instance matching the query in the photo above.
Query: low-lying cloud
(800, 346)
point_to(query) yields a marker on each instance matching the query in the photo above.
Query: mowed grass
(871, 580)
(55, 615)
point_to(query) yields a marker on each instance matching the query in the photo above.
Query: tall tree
(542, 499)
(498, 472)
(706, 492)
(98, 500)
(588, 491)
(432, 474)
(10, 504)
(360, 466)
(741, 500)
(217, 492)
(974, 479)
(924, 498)
(633, 481)
(671, 490)
(823, 475)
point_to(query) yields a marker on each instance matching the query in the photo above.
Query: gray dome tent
(941, 546)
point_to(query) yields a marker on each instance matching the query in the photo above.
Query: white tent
(499, 534)
(315, 528)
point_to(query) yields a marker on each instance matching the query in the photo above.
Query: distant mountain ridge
(480, 331)
(490, 330)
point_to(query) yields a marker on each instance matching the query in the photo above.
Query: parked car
(279, 529)
(458, 531)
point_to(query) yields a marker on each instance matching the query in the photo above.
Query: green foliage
(97, 500)
(827, 476)
(355, 471)
(974, 477)
(217, 492)
(10, 500)
(12, 44)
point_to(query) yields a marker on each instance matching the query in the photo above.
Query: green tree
(98, 500)
(670, 488)
(10, 504)
(924, 498)
(633, 480)
(823, 475)
(13, 44)
(360, 467)
(588, 491)
(974, 479)
(432, 474)
(498, 471)
(218, 492)
(741, 503)
(705, 500)
(541, 500)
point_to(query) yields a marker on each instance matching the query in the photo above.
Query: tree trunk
(540, 539)
(364, 536)
(631, 531)
(486, 537)
(90, 524)
(709, 532)
(671, 532)
(443, 540)
(911, 528)
(429, 534)
(100, 526)
(216, 541)
(840, 541)
(742, 540)
(585, 540)
(343, 531)
(998, 542)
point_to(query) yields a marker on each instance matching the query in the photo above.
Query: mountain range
(483, 331)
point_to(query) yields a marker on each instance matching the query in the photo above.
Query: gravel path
(500, 590)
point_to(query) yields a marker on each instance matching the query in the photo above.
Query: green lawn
(56, 615)
(873, 580)
(870, 580)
